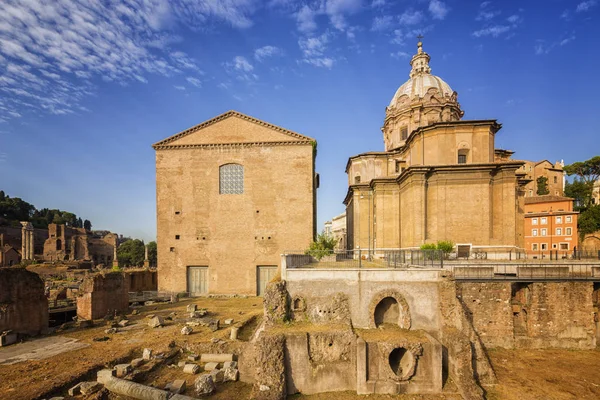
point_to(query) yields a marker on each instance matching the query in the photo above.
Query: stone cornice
(164, 143)
(230, 145)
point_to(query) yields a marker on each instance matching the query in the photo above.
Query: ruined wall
(12, 236)
(320, 362)
(101, 294)
(490, 311)
(141, 281)
(23, 305)
(531, 314)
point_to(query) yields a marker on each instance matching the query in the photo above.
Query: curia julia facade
(232, 194)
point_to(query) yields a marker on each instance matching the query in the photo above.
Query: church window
(462, 156)
(398, 167)
(231, 179)
(555, 179)
(404, 133)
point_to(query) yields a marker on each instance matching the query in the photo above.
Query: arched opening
(387, 312)
(299, 304)
(58, 244)
(401, 361)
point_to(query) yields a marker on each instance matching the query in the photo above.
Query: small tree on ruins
(542, 186)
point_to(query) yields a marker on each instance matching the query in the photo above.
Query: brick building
(553, 174)
(550, 226)
(232, 194)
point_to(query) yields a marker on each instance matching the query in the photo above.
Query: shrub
(428, 246)
(445, 245)
(322, 246)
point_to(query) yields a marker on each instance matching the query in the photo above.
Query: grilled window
(231, 179)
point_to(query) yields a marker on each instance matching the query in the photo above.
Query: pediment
(232, 127)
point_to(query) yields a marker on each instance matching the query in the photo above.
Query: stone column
(146, 260)
(31, 244)
(24, 241)
(115, 260)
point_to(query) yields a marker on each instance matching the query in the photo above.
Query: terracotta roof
(546, 199)
(224, 116)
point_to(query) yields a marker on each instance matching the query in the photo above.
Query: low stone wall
(314, 290)
(102, 294)
(141, 280)
(23, 305)
(531, 314)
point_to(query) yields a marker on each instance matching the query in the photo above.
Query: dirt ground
(55, 375)
(522, 374)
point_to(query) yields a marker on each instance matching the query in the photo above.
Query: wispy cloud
(378, 3)
(54, 50)
(194, 81)
(400, 54)
(266, 52)
(179, 87)
(382, 23)
(411, 17)
(543, 47)
(313, 51)
(438, 9)
(495, 27)
(242, 69)
(585, 5)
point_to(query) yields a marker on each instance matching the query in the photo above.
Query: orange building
(550, 227)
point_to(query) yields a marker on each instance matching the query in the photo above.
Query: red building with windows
(550, 226)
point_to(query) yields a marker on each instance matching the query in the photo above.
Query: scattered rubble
(156, 321)
(204, 385)
(191, 369)
(186, 330)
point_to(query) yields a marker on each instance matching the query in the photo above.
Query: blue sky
(86, 87)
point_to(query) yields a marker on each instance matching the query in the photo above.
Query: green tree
(588, 171)
(581, 192)
(152, 253)
(322, 246)
(589, 221)
(131, 253)
(542, 186)
(87, 225)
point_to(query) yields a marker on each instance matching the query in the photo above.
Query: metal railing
(527, 272)
(376, 258)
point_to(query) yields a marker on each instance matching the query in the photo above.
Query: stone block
(178, 386)
(234, 333)
(191, 369)
(210, 366)
(122, 370)
(217, 375)
(193, 357)
(123, 323)
(204, 385)
(7, 338)
(219, 358)
(147, 354)
(230, 364)
(214, 325)
(186, 330)
(104, 375)
(75, 390)
(191, 308)
(181, 364)
(88, 388)
(156, 321)
(136, 362)
(229, 321)
(230, 374)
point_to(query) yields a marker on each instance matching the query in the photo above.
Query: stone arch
(389, 304)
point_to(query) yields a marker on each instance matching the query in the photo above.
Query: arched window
(231, 179)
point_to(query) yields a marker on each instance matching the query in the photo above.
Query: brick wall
(140, 281)
(101, 294)
(23, 305)
(531, 314)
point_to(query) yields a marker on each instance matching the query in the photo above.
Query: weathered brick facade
(103, 294)
(231, 234)
(23, 305)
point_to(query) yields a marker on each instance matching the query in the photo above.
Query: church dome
(419, 85)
